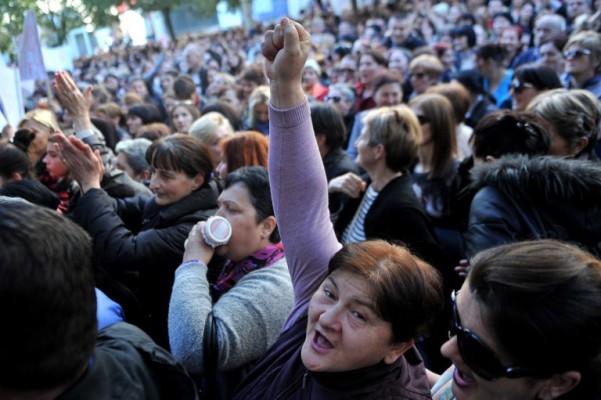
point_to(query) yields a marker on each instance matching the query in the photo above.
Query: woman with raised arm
(359, 308)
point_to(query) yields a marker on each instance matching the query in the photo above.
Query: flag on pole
(31, 63)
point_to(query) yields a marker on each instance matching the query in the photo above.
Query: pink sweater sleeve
(299, 190)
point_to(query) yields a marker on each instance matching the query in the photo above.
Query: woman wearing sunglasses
(526, 326)
(529, 81)
(583, 61)
(358, 308)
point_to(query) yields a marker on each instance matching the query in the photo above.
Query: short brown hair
(397, 129)
(407, 291)
(154, 131)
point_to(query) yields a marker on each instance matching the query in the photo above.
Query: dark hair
(108, 130)
(378, 57)
(536, 295)
(328, 121)
(503, 14)
(465, 30)
(31, 190)
(385, 79)
(254, 73)
(471, 80)
(508, 132)
(228, 112)
(407, 291)
(256, 180)
(540, 76)
(180, 152)
(491, 51)
(13, 160)
(184, 87)
(23, 138)
(443, 127)
(47, 298)
(147, 112)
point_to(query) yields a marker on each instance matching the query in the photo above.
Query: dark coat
(337, 163)
(539, 198)
(127, 364)
(396, 215)
(141, 244)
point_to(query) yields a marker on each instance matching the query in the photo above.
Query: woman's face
(171, 186)
(55, 166)
(309, 77)
(133, 124)
(248, 236)
(38, 145)
(552, 57)
(448, 58)
(182, 119)
(466, 384)
(579, 63)
(368, 69)
(425, 124)
(521, 94)
(230, 97)
(344, 332)
(366, 156)
(261, 113)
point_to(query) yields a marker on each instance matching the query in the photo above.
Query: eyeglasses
(479, 357)
(576, 53)
(333, 99)
(518, 87)
(423, 119)
(417, 75)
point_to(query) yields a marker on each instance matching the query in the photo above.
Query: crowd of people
(413, 200)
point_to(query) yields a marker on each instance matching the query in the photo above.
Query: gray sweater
(248, 317)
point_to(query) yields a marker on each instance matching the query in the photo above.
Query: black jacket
(127, 364)
(397, 215)
(337, 163)
(141, 244)
(543, 197)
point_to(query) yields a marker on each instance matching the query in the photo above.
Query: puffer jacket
(539, 198)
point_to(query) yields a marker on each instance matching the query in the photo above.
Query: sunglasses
(334, 99)
(576, 53)
(423, 119)
(417, 75)
(519, 87)
(479, 357)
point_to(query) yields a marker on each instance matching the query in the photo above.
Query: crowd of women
(414, 198)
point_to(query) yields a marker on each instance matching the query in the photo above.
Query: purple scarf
(232, 272)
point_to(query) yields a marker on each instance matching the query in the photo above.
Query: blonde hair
(398, 130)
(429, 63)
(260, 95)
(206, 128)
(590, 40)
(41, 116)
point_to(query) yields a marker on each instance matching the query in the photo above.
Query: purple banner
(31, 63)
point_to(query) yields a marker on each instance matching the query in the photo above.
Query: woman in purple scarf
(249, 301)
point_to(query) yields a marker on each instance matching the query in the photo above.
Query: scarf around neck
(234, 271)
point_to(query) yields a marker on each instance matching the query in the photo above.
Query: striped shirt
(355, 231)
